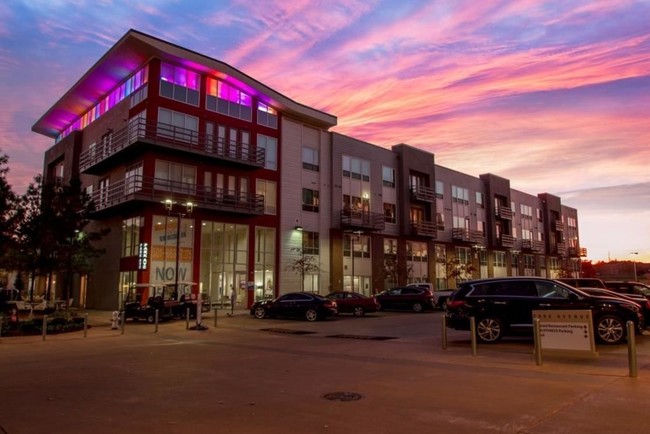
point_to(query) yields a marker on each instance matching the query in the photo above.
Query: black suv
(504, 305)
(625, 287)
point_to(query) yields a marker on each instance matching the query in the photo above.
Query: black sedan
(305, 305)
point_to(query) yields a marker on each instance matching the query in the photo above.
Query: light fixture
(298, 228)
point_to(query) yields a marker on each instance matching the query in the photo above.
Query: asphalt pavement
(383, 373)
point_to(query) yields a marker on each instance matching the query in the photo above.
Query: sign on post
(566, 330)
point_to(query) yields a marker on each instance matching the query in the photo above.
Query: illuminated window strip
(132, 84)
(224, 91)
(180, 76)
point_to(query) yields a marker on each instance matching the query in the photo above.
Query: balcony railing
(476, 236)
(460, 234)
(574, 252)
(559, 225)
(424, 228)
(362, 220)
(504, 212)
(423, 193)
(533, 246)
(506, 240)
(172, 137)
(561, 249)
(139, 188)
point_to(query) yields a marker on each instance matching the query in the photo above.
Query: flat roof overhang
(133, 51)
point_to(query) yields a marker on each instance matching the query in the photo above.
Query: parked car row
(503, 306)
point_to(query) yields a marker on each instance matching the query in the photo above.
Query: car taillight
(330, 303)
(455, 304)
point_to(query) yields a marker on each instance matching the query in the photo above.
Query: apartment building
(205, 175)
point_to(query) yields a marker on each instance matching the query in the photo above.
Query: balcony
(460, 234)
(149, 189)
(574, 252)
(362, 221)
(533, 246)
(140, 133)
(476, 236)
(558, 225)
(504, 212)
(506, 240)
(424, 228)
(422, 193)
(561, 249)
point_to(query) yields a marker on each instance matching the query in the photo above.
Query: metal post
(187, 318)
(538, 341)
(472, 330)
(444, 332)
(85, 325)
(631, 349)
(215, 316)
(44, 326)
(178, 248)
(156, 321)
(122, 320)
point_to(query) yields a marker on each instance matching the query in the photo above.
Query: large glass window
(356, 168)
(388, 176)
(268, 189)
(133, 179)
(310, 201)
(390, 213)
(264, 263)
(310, 159)
(223, 98)
(175, 177)
(310, 243)
(179, 84)
(131, 236)
(270, 146)
(178, 126)
(266, 115)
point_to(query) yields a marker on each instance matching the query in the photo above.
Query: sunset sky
(553, 95)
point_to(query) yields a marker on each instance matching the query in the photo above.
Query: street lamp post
(302, 257)
(634, 262)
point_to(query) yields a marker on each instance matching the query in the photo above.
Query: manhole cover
(288, 331)
(343, 396)
(363, 337)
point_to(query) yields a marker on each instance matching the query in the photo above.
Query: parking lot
(384, 373)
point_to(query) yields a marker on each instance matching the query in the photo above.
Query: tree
(7, 213)
(396, 271)
(302, 265)
(457, 269)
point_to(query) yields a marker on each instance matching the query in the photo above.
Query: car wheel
(443, 304)
(417, 307)
(358, 311)
(311, 315)
(489, 330)
(151, 319)
(610, 330)
(260, 312)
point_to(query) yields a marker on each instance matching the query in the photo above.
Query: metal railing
(156, 189)
(362, 220)
(424, 228)
(424, 193)
(173, 137)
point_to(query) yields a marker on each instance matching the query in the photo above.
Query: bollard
(187, 318)
(444, 332)
(44, 326)
(472, 330)
(122, 320)
(631, 349)
(215, 317)
(156, 321)
(538, 341)
(85, 325)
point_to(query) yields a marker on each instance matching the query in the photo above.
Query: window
(358, 243)
(268, 189)
(133, 179)
(179, 84)
(270, 145)
(310, 243)
(356, 168)
(480, 200)
(499, 259)
(356, 204)
(266, 115)
(310, 159)
(440, 189)
(390, 213)
(103, 188)
(226, 99)
(390, 247)
(310, 201)
(175, 177)
(460, 195)
(416, 251)
(178, 126)
(388, 176)
(131, 236)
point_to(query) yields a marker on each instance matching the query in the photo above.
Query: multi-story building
(205, 175)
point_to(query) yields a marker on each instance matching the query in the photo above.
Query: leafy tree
(302, 265)
(7, 212)
(396, 271)
(457, 269)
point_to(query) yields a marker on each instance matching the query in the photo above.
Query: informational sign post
(566, 331)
